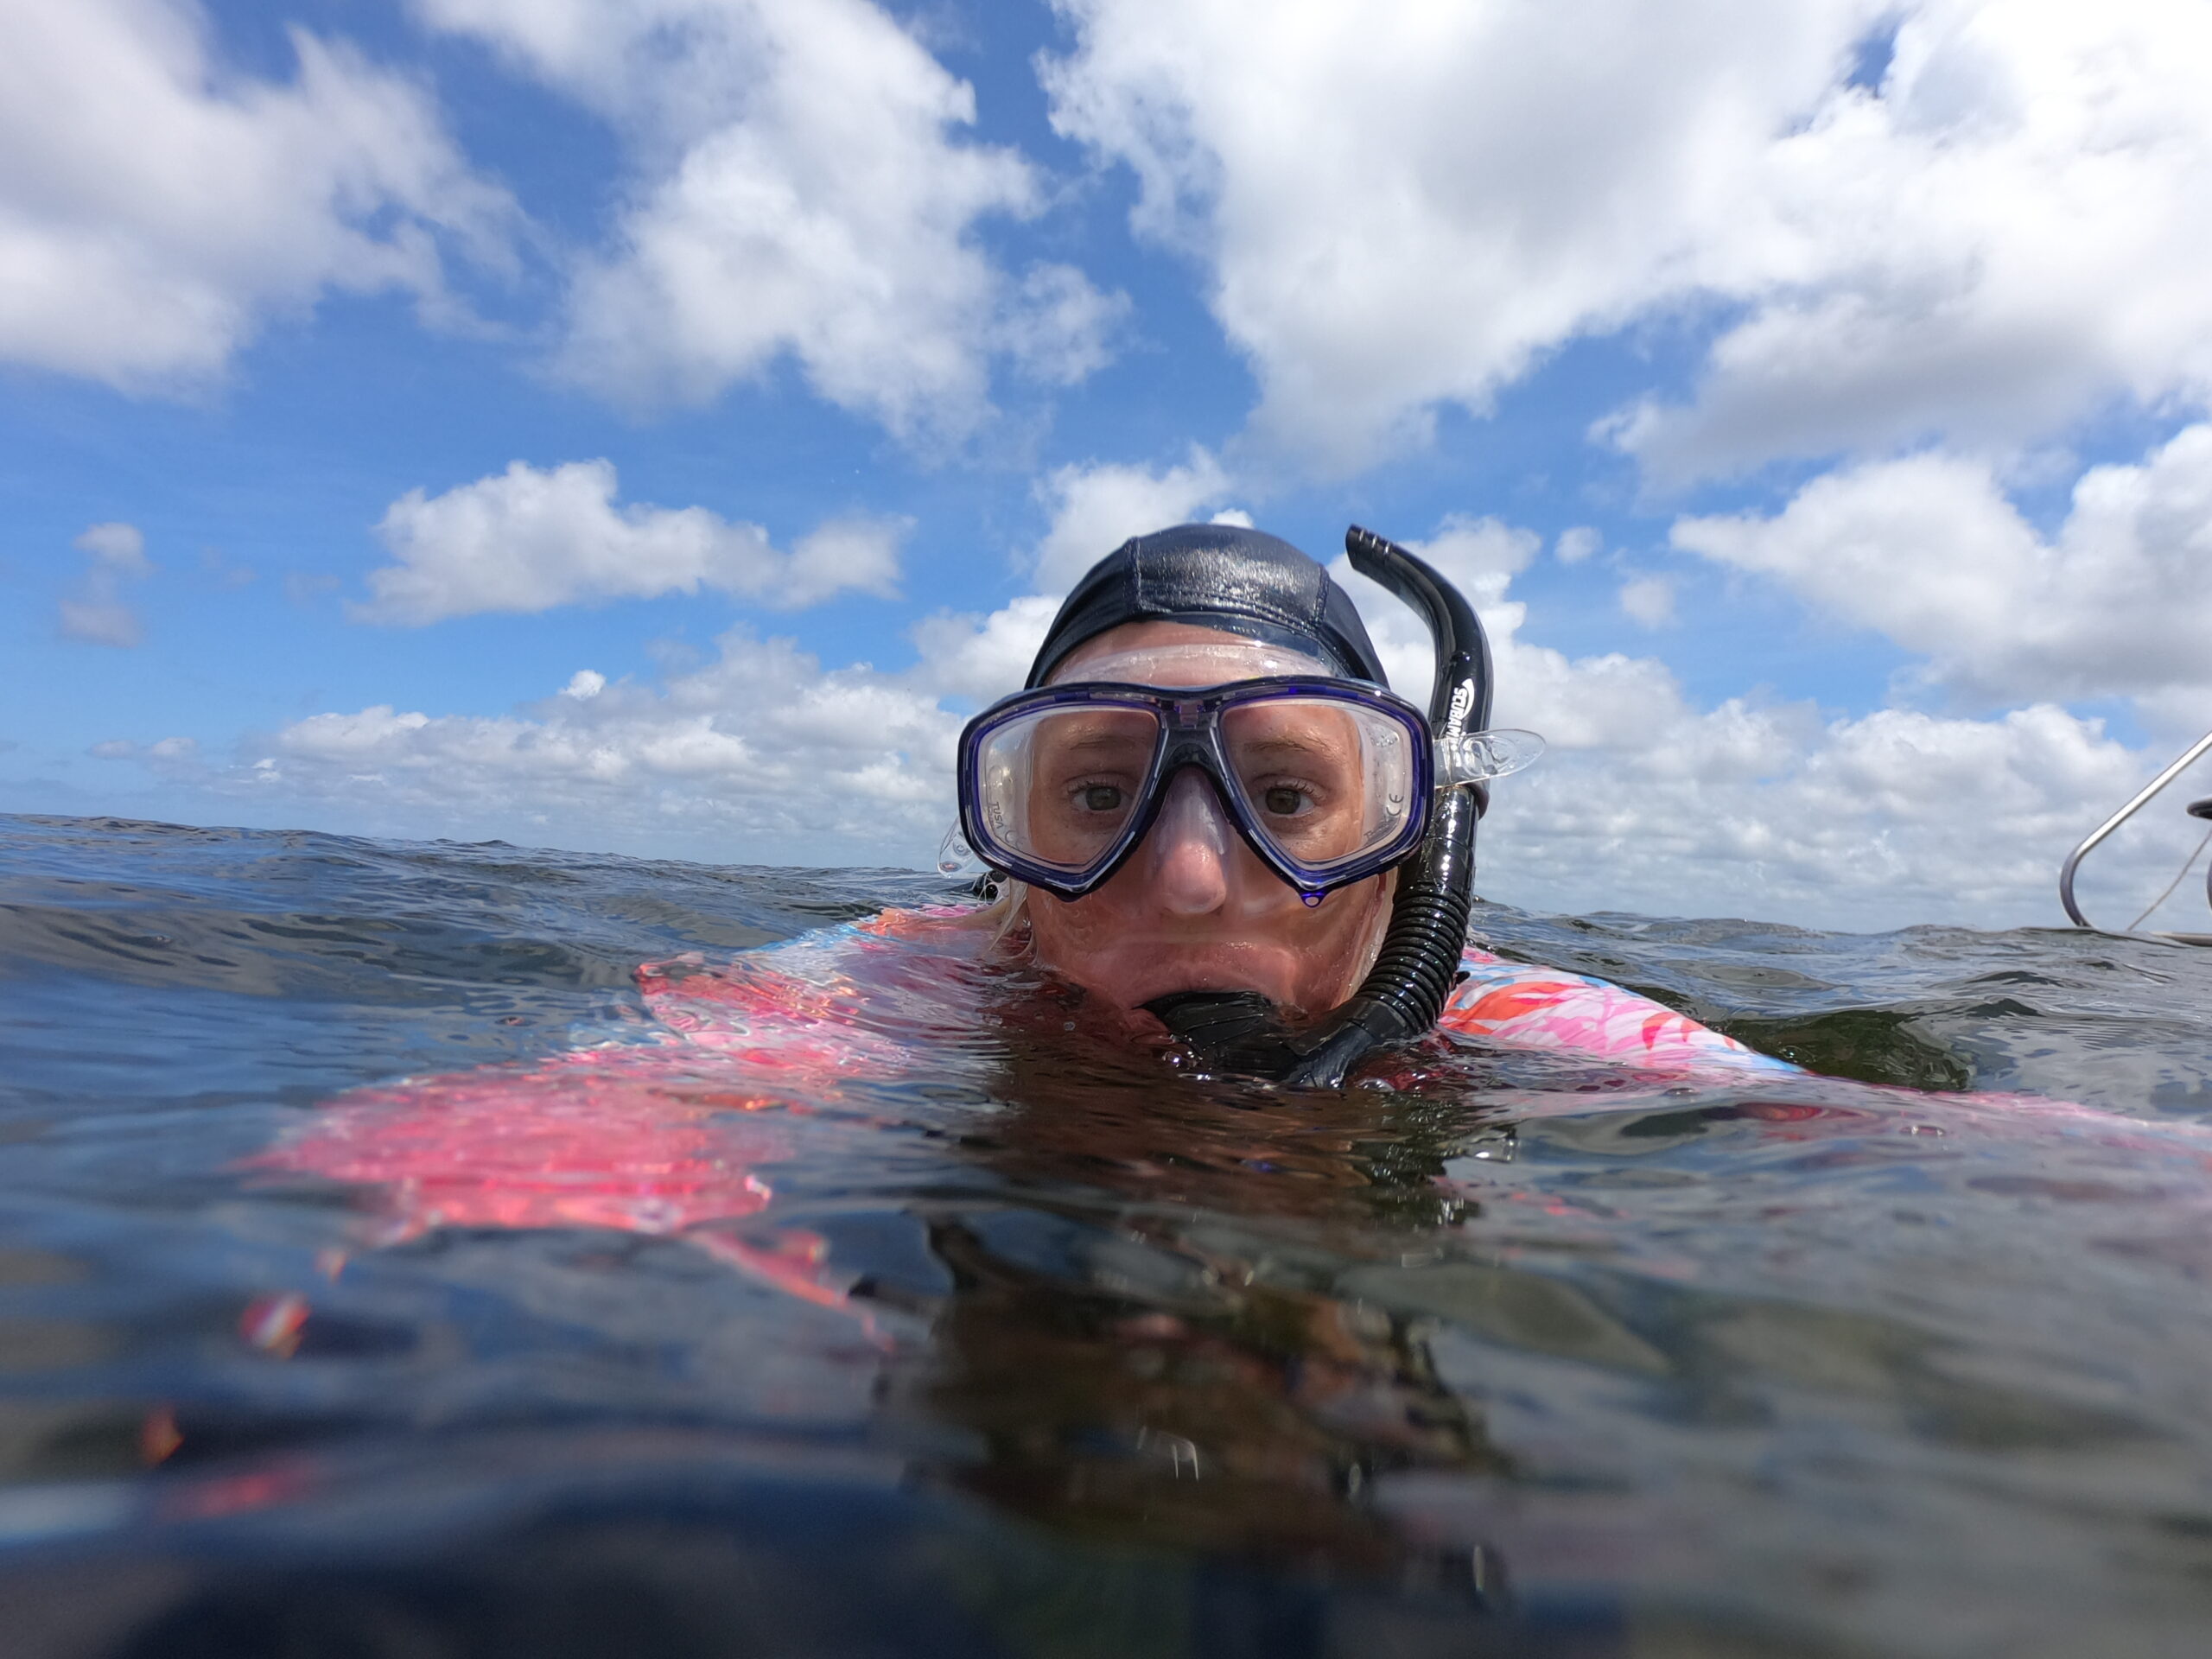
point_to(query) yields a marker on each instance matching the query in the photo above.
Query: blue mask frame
(1190, 735)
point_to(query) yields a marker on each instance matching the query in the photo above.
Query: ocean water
(337, 1316)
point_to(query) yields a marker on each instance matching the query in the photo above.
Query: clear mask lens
(1325, 781)
(1059, 786)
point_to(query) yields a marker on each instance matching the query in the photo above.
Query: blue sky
(1813, 397)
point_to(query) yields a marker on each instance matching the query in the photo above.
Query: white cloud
(761, 754)
(2013, 234)
(1929, 551)
(977, 658)
(120, 547)
(1894, 818)
(1647, 803)
(1098, 506)
(1774, 809)
(1649, 599)
(527, 540)
(802, 188)
(1059, 328)
(2004, 236)
(1577, 545)
(94, 612)
(95, 620)
(858, 551)
(172, 757)
(156, 205)
(1093, 508)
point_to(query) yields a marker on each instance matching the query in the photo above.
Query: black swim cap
(1216, 577)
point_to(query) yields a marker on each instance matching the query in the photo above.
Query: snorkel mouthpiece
(1238, 1032)
(1404, 992)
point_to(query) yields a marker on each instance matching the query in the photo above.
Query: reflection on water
(379, 1276)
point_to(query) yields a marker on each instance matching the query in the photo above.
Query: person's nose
(1189, 849)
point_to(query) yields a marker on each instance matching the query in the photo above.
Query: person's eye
(1286, 800)
(1098, 798)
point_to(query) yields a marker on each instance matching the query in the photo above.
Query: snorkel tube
(1405, 990)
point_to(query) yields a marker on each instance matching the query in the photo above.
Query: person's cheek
(1340, 930)
(1064, 931)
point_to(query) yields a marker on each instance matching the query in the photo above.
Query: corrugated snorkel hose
(1404, 992)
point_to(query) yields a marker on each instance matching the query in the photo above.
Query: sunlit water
(1031, 1345)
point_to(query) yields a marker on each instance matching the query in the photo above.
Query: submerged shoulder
(1528, 1005)
(927, 921)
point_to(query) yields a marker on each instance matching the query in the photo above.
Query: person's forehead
(1179, 653)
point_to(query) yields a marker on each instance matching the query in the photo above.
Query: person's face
(1193, 908)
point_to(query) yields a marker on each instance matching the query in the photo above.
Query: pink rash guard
(666, 1134)
(1514, 1005)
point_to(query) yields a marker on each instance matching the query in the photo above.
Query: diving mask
(1328, 780)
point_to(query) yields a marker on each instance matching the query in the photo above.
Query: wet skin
(1194, 908)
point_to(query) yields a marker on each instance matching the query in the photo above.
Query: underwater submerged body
(388, 1260)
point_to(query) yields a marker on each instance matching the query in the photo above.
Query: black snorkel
(1405, 991)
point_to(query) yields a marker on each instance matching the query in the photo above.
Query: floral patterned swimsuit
(1518, 1005)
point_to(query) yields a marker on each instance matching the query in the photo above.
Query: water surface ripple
(1029, 1344)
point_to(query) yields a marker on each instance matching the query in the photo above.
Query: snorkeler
(1209, 807)
(1209, 813)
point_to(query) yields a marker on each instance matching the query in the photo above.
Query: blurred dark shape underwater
(1022, 1344)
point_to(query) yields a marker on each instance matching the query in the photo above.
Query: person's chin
(1132, 974)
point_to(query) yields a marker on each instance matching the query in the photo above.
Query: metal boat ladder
(2196, 810)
